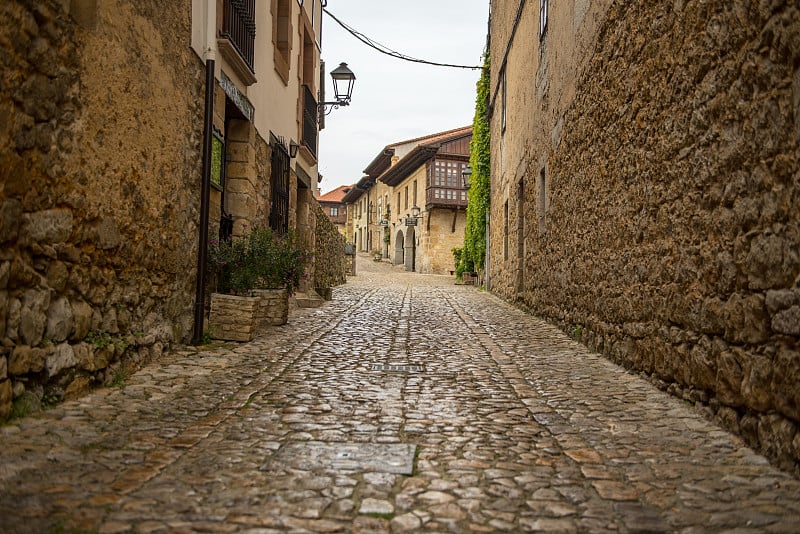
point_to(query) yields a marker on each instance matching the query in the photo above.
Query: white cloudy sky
(394, 100)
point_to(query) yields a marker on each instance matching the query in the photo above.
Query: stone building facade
(645, 193)
(266, 120)
(335, 208)
(101, 129)
(424, 172)
(101, 112)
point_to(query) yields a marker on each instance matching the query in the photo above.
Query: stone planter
(233, 318)
(273, 307)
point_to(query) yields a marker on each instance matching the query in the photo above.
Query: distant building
(335, 208)
(424, 172)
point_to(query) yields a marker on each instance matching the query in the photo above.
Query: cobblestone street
(406, 403)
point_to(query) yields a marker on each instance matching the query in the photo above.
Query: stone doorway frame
(399, 250)
(410, 246)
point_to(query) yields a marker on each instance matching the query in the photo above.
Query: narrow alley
(471, 416)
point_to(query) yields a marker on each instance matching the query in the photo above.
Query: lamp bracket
(326, 107)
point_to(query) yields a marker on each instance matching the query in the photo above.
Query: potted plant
(377, 254)
(253, 275)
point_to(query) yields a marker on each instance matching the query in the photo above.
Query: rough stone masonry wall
(329, 260)
(100, 130)
(672, 240)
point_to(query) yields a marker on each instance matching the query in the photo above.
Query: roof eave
(406, 166)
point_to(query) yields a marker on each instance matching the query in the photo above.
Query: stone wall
(661, 214)
(100, 133)
(443, 231)
(329, 259)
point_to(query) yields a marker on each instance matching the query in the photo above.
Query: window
(334, 212)
(542, 18)
(541, 201)
(236, 32)
(279, 213)
(446, 174)
(239, 27)
(310, 112)
(414, 198)
(406, 197)
(505, 231)
(380, 208)
(503, 97)
(282, 36)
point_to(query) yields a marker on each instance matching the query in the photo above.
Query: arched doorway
(410, 249)
(399, 243)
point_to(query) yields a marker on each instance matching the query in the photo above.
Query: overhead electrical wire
(388, 51)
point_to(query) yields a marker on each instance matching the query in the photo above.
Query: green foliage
(577, 333)
(458, 252)
(462, 265)
(99, 339)
(121, 375)
(258, 260)
(24, 405)
(103, 339)
(208, 335)
(387, 517)
(479, 192)
(59, 528)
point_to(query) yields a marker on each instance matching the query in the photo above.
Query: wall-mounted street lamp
(343, 81)
(293, 149)
(466, 174)
(411, 220)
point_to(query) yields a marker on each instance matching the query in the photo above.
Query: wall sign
(236, 96)
(217, 163)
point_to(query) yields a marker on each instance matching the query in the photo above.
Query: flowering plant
(260, 259)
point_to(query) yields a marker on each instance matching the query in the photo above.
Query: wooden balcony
(445, 197)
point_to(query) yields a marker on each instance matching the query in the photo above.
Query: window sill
(231, 55)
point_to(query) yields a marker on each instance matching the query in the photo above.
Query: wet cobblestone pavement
(407, 403)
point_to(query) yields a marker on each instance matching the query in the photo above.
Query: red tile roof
(432, 138)
(336, 195)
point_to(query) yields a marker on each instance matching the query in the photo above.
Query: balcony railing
(310, 120)
(239, 27)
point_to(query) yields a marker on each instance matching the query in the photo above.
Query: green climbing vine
(478, 196)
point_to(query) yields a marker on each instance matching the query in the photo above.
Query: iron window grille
(310, 113)
(542, 17)
(279, 212)
(239, 27)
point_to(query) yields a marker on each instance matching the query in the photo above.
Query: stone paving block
(496, 422)
(383, 457)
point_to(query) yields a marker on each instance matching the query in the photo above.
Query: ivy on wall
(474, 253)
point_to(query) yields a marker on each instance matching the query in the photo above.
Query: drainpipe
(208, 120)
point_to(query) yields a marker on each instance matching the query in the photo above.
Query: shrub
(258, 260)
